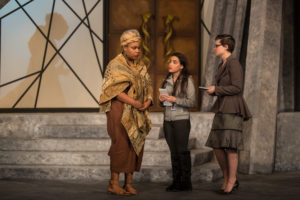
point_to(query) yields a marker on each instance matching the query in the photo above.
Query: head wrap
(130, 36)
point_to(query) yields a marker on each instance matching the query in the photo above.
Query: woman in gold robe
(125, 98)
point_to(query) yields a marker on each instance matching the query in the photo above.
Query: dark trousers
(177, 135)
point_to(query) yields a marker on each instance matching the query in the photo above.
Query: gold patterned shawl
(119, 75)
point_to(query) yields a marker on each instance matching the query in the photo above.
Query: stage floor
(277, 186)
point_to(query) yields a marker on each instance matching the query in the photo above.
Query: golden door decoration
(166, 26)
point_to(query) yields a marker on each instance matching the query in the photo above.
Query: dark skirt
(226, 132)
(122, 155)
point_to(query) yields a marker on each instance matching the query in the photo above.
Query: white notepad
(203, 88)
(163, 91)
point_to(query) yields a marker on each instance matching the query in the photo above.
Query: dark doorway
(297, 54)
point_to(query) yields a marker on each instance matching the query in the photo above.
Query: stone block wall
(287, 156)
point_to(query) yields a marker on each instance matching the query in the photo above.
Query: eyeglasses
(217, 45)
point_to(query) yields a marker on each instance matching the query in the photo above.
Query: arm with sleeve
(236, 76)
(190, 99)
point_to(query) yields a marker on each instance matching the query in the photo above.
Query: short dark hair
(228, 40)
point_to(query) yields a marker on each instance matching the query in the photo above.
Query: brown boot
(128, 184)
(113, 187)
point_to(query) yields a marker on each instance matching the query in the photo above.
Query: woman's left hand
(163, 97)
(145, 105)
(211, 90)
(171, 99)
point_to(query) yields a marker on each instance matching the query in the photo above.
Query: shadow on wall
(3, 3)
(51, 93)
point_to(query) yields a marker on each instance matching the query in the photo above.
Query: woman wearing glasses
(231, 110)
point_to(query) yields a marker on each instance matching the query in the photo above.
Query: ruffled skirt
(226, 132)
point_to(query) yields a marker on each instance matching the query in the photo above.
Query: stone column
(229, 18)
(261, 86)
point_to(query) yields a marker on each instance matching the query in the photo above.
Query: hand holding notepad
(164, 91)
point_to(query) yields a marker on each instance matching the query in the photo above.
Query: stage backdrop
(51, 53)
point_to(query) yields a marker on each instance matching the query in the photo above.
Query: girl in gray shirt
(181, 96)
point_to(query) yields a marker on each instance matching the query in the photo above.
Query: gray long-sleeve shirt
(182, 103)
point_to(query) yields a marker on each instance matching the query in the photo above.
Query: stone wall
(288, 142)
